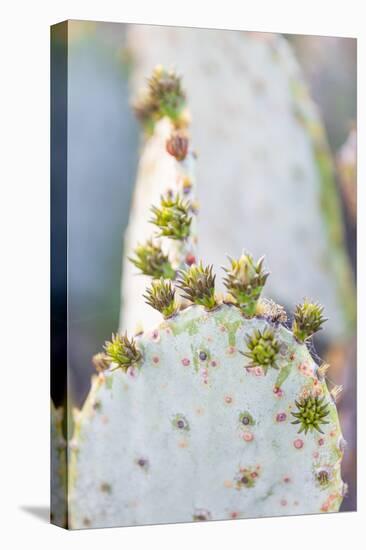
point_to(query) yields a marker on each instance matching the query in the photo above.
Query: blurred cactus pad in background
(210, 401)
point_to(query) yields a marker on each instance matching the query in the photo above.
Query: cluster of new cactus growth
(161, 296)
(245, 280)
(308, 319)
(152, 261)
(263, 349)
(198, 286)
(219, 411)
(172, 247)
(172, 217)
(164, 97)
(312, 412)
(121, 351)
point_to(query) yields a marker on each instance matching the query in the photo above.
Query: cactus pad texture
(201, 428)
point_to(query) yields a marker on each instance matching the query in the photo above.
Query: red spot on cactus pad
(132, 372)
(155, 335)
(277, 391)
(143, 463)
(298, 443)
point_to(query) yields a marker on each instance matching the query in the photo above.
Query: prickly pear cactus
(218, 412)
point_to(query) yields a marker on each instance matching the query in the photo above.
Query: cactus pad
(195, 431)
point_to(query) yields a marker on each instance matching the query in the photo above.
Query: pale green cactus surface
(194, 431)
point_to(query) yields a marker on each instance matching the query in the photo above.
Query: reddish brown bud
(177, 145)
(190, 259)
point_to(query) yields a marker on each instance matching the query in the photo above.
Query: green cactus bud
(122, 351)
(161, 296)
(164, 97)
(151, 260)
(245, 280)
(198, 285)
(311, 414)
(308, 319)
(263, 348)
(166, 93)
(172, 218)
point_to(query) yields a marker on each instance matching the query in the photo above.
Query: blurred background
(256, 130)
